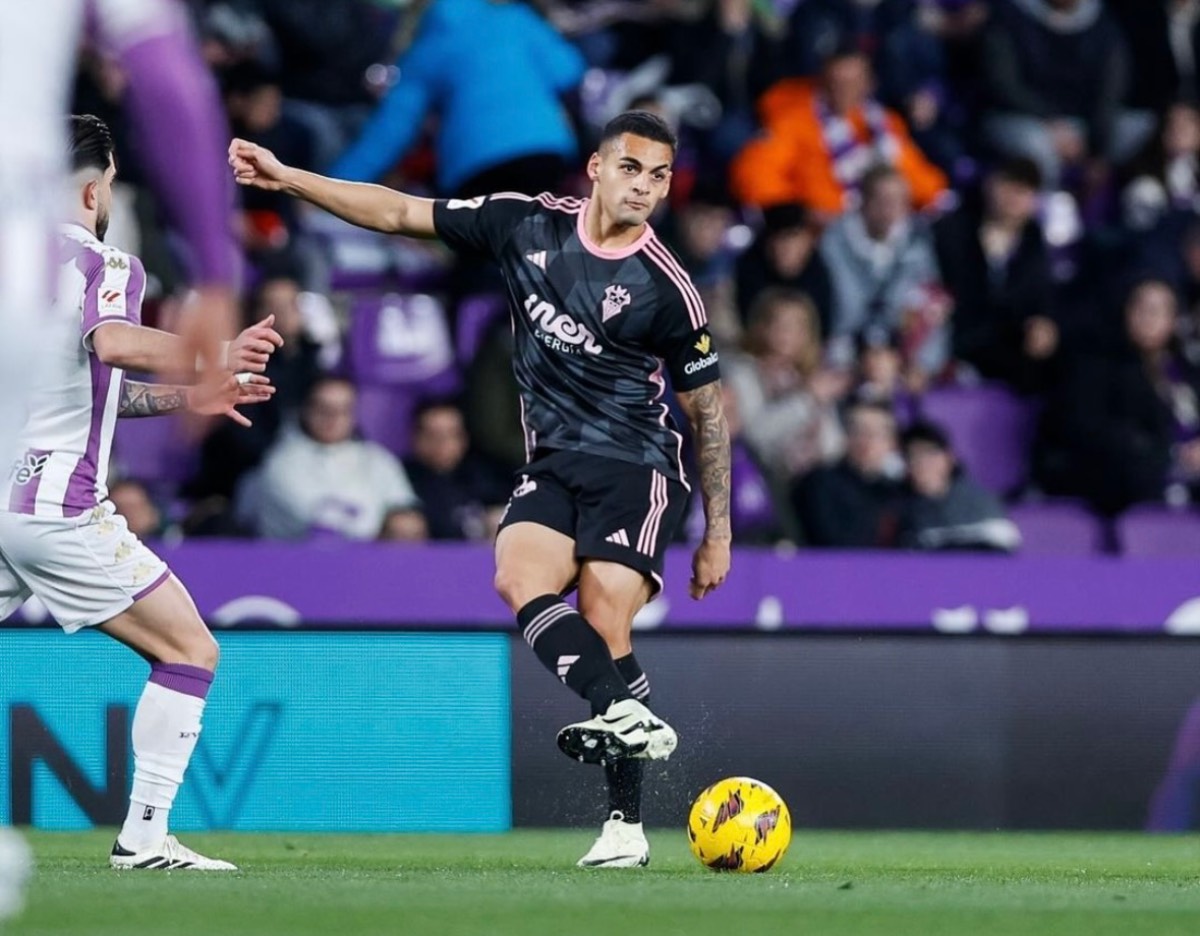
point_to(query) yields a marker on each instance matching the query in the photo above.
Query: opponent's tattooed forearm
(711, 436)
(143, 399)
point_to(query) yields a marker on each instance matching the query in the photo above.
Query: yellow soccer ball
(739, 824)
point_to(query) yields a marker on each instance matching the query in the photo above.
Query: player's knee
(512, 588)
(203, 652)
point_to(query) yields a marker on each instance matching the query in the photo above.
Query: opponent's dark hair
(91, 142)
(640, 123)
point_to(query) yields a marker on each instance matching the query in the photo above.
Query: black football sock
(570, 648)
(625, 776)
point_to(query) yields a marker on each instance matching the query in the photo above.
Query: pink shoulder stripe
(656, 252)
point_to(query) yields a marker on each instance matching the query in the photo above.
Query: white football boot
(169, 856)
(621, 845)
(627, 729)
(16, 865)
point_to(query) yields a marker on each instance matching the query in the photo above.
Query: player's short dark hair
(91, 142)
(640, 123)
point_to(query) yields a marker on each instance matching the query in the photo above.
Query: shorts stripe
(648, 538)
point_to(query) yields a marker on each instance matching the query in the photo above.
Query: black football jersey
(594, 328)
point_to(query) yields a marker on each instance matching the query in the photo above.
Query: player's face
(631, 175)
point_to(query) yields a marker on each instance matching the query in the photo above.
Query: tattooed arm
(206, 399)
(710, 434)
(144, 399)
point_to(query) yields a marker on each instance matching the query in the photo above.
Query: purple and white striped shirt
(63, 453)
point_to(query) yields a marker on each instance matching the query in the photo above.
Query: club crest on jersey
(615, 300)
(558, 331)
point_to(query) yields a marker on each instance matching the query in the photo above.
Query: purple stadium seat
(1159, 531)
(153, 451)
(476, 315)
(991, 430)
(402, 341)
(384, 415)
(1058, 528)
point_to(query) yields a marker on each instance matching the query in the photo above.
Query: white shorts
(85, 569)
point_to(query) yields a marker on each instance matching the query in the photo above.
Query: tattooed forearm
(143, 399)
(710, 433)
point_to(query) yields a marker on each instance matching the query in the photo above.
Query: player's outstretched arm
(211, 398)
(149, 350)
(369, 206)
(710, 433)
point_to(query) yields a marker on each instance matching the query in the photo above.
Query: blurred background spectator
(1125, 421)
(785, 397)
(1057, 77)
(942, 507)
(785, 254)
(494, 74)
(996, 266)
(462, 499)
(144, 517)
(884, 274)
(318, 478)
(822, 138)
(853, 503)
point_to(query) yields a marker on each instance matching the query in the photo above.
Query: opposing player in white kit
(179, 131)
(60, 538)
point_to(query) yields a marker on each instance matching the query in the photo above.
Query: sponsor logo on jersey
(33, 465)
(456, 203)
(693, 367)
(703, 344)
(558, 331)
(527, 486)
(615, 300)
(537, 258)
(117, 263)
(111, 300)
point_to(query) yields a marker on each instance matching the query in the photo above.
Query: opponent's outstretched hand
(251, 350)
(221, 397)
(256, 166)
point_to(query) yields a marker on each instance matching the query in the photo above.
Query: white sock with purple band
(166, 727)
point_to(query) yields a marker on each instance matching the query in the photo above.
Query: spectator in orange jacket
(821, 139)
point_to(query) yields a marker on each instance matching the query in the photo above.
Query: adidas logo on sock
(620, 538)
(564, 665)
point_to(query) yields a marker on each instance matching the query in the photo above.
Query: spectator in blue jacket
(494, 72)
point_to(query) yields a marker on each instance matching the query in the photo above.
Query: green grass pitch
(865, 884)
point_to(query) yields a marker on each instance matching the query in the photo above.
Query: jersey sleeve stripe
(691, 298)
(684, 277)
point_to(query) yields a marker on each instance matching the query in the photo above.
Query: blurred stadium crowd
(950, 250)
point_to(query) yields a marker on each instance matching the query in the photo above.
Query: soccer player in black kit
(601, 308)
